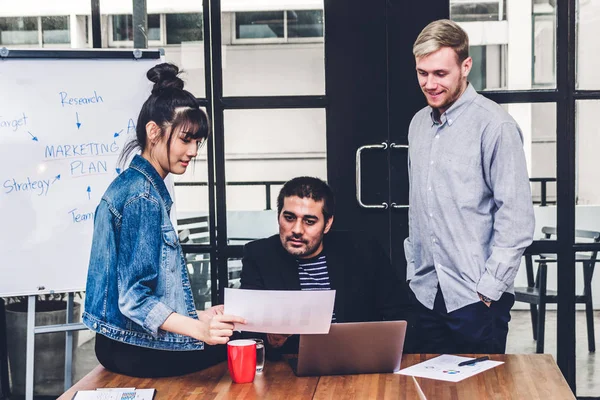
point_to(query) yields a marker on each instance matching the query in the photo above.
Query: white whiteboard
(63, 124)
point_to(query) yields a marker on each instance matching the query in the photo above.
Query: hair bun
(164, 77)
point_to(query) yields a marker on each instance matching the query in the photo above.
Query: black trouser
(475, 328)
(143, 362)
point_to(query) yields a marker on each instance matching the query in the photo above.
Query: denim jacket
(137, 274)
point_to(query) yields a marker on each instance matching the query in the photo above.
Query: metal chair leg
(534, 319)
(533, 307)
(589, 306)
(541, 326)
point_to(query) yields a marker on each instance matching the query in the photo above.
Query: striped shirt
(313, 275)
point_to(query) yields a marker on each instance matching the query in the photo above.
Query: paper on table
(445, 368)
(281, 311)
(115, 394)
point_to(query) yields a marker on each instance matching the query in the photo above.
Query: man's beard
(451, 99)
(309, 249)
(454, 96)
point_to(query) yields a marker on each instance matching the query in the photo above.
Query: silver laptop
(352, 348)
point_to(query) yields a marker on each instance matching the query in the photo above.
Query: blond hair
(442, 33)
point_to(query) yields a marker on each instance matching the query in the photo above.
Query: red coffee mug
(241, 359)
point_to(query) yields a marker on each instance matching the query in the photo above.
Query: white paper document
(445, 368)
(281, 311)
(115, 394)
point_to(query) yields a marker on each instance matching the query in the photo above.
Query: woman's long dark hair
(169, 106)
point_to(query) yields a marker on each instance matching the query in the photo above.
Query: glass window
(153, 26)
(192, 210)
(268, 147)
(538, 127)
(469, 10)
(544, 50)
(184, 28)
(477, 74)
(543, 153)
(123, 27)
(19, 30)
(588, 57)
(587, 189)
(184, 35)
(198, 266)
(280, 68)
(259, 25)
(487, 71)
(306, 23)
(263, 149)
(55, 30)
(88, 25)
(520, 41)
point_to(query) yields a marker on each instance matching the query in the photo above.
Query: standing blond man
(471, 215)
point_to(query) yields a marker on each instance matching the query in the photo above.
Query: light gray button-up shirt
(471, 213)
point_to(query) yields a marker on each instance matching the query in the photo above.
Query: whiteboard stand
(30, 346)
(32, 330)
(69, 343)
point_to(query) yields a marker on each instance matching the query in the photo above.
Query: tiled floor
(520, 340)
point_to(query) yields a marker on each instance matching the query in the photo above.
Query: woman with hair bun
(138, 296)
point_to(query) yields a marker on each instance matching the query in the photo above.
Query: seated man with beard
(307, 255)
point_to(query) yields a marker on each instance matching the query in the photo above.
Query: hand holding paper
(281, 311)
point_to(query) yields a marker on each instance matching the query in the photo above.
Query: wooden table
(522, 376)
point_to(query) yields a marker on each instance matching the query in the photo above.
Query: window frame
(40, 34)
(112, 43)
(165, 34)
(54, 45)
(284, 40)
(502, 16)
